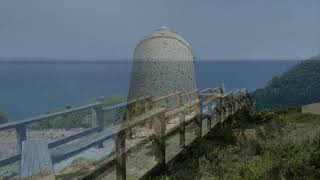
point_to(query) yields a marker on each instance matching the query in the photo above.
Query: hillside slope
(297, 86)
(277, 144)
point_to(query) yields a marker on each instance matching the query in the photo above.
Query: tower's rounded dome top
(165, 36)
(163, 63)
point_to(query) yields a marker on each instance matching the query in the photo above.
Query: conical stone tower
(163, 63)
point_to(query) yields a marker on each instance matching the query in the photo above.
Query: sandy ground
(8, 145)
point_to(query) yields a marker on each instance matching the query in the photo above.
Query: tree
(298, 86)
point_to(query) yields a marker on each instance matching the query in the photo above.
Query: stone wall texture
(163, 63)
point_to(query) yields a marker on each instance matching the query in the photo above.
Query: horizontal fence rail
(212, 103)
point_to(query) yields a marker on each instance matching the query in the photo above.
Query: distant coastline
(121, 60)
(37, 86)
(55, 61)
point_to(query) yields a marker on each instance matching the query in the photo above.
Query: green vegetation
(284, 161)
(83, 118)
(3, 118)
(278, 144)
(299, 85)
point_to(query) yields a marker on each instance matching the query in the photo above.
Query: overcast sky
(110, 29)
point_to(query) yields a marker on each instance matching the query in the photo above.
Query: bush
(284, 161)
(3, 118)
(297, 86)
(83, 118)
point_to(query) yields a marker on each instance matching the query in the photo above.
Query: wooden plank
(174, 129)
(20, 137)
(67, 150)
(138, 99)
(73, 137)
(108, 163)
(121, 157)
(113, 107)
(36, 160)
(142, 118)
(210, 95)
(198, 121)
(147, 107)
(141, 143)
(97, 117)
(182, 129)
(182, 119)
(12, 159)
(98, 120)
(175, 111)
(165, 97)
(189, 120)
(198, 117)
(24, 168)
(160, 146)
(190, 92)
(205, 90)
(96, 171)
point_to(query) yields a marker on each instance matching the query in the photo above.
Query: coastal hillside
(297, 86)
(276, 144)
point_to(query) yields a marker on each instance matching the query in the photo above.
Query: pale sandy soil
(89, 157)
(8, 144)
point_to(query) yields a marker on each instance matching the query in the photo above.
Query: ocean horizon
(32, 87)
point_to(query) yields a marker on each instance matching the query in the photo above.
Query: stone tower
(163, 63)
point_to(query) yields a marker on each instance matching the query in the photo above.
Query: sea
(30, 88)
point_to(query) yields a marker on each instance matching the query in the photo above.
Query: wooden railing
(213, 104)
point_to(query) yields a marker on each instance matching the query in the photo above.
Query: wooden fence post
(36, 160)
(147, 107)
(227, 111)
(178, 100)
(222, 114)
(182, 129)
(213, 119)
(189, 101)
(218, 114)
(198, 121)
(127, 118)
(121, 156)
(221, 110)
(167, 102)
(182, 118)
(210, 110)
(98, 120)
(21, 135)
(160, 143)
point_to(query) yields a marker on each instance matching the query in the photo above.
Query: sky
(110, 29)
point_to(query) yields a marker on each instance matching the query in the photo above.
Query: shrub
(83, 118)
(3, 118)
(284, 161)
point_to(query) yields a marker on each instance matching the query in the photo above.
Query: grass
(284, 161)
(269, 156)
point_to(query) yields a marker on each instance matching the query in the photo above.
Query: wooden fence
(213, 104)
